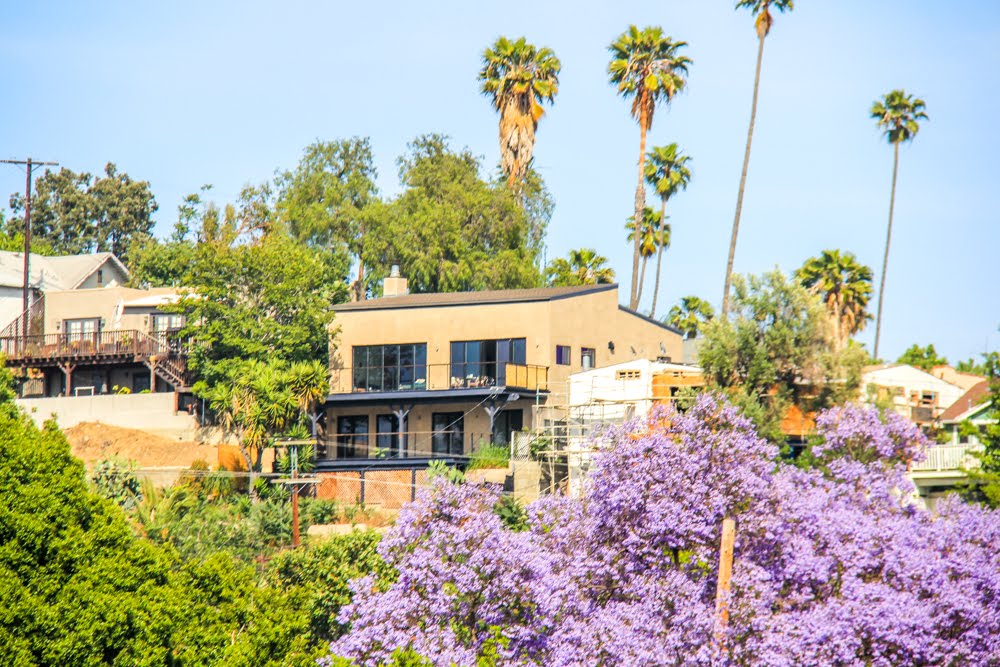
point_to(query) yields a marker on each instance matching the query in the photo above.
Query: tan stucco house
(437, 375)
(87, 334)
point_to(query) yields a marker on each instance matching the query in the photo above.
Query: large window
(449, 433)
(505, 423)
(82, 329)
(352, 437)
(387, 435)
(390, 367)
(483, 363)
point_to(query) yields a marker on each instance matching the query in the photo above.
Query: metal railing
(945, 458)
(422, 377)
(448, 443)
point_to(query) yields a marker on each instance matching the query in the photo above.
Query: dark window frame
(388, 441)
(483, 362)
(564, 355)
(405, 370)
(506, 422)
(350, 440)
(592, 353)
(448, 433)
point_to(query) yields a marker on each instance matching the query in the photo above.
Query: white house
(917, 395)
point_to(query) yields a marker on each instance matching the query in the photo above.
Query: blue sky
(186, 93)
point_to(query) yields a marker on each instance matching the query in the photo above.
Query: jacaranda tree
(834, 565)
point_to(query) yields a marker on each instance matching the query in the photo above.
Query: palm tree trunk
(642, 280)
(659, 256)
(888, 239)
(743, 182)
(640, 204)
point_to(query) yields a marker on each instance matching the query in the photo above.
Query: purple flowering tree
(836, 565)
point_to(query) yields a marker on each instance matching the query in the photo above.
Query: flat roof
(490, 297)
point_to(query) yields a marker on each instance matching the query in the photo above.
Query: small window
(588, 358)
(564, 355)
(100, 276)
(628, 374)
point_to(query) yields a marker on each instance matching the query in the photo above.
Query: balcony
(947, 458)
(54, 348)
(440, 377)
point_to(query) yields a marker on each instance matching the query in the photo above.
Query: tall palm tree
(763, 23)
(896, 115)
(519, 78)
(582, 267)
(647, 67)
(845, 285)
(650, 235)
(690, 316)
(667, 172)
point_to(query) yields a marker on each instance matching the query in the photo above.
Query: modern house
(438, 375)
(88, 335)
(915, 394)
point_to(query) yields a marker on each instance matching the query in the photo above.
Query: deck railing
(945, 458)
(79, 345)
(422, 377)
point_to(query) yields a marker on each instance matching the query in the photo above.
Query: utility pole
(31, 165)
(725, 579)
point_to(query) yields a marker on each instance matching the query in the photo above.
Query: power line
(31, 166)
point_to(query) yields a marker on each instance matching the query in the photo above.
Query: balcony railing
(453, 443)
(469, 375)
(79, 345)
(948, 458)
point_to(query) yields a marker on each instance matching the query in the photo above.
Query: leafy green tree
(266, 301)
(983, 483)
(322, 201)
(449, 229)
(580, 267)
(78, 213)
(667, 173)
(924, 358)
(897, 115)
(77, 588)
(844, 285)
(763, 22)
(651, 234)
(690, 316)
(646, 67)
(777, 351)
(519, 78)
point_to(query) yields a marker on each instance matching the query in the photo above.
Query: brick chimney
(395, 284)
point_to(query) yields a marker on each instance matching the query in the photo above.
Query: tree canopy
(924, 358)
(450, 229)
(777, 350)
(833, 565)
(78, 213)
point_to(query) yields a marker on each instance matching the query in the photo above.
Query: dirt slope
(92, 441)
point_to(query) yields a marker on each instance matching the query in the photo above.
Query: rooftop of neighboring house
(57, 273)
(967, 402)
(438, 299)
(949, 374)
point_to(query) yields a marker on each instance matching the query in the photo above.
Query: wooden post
(725, 578)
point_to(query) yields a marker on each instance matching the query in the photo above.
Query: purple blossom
(833, 566)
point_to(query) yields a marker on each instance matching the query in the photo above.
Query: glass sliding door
(352, 437)
(449, 433)
(483, 363)
(387, 435)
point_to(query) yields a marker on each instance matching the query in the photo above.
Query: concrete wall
(152, 413)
